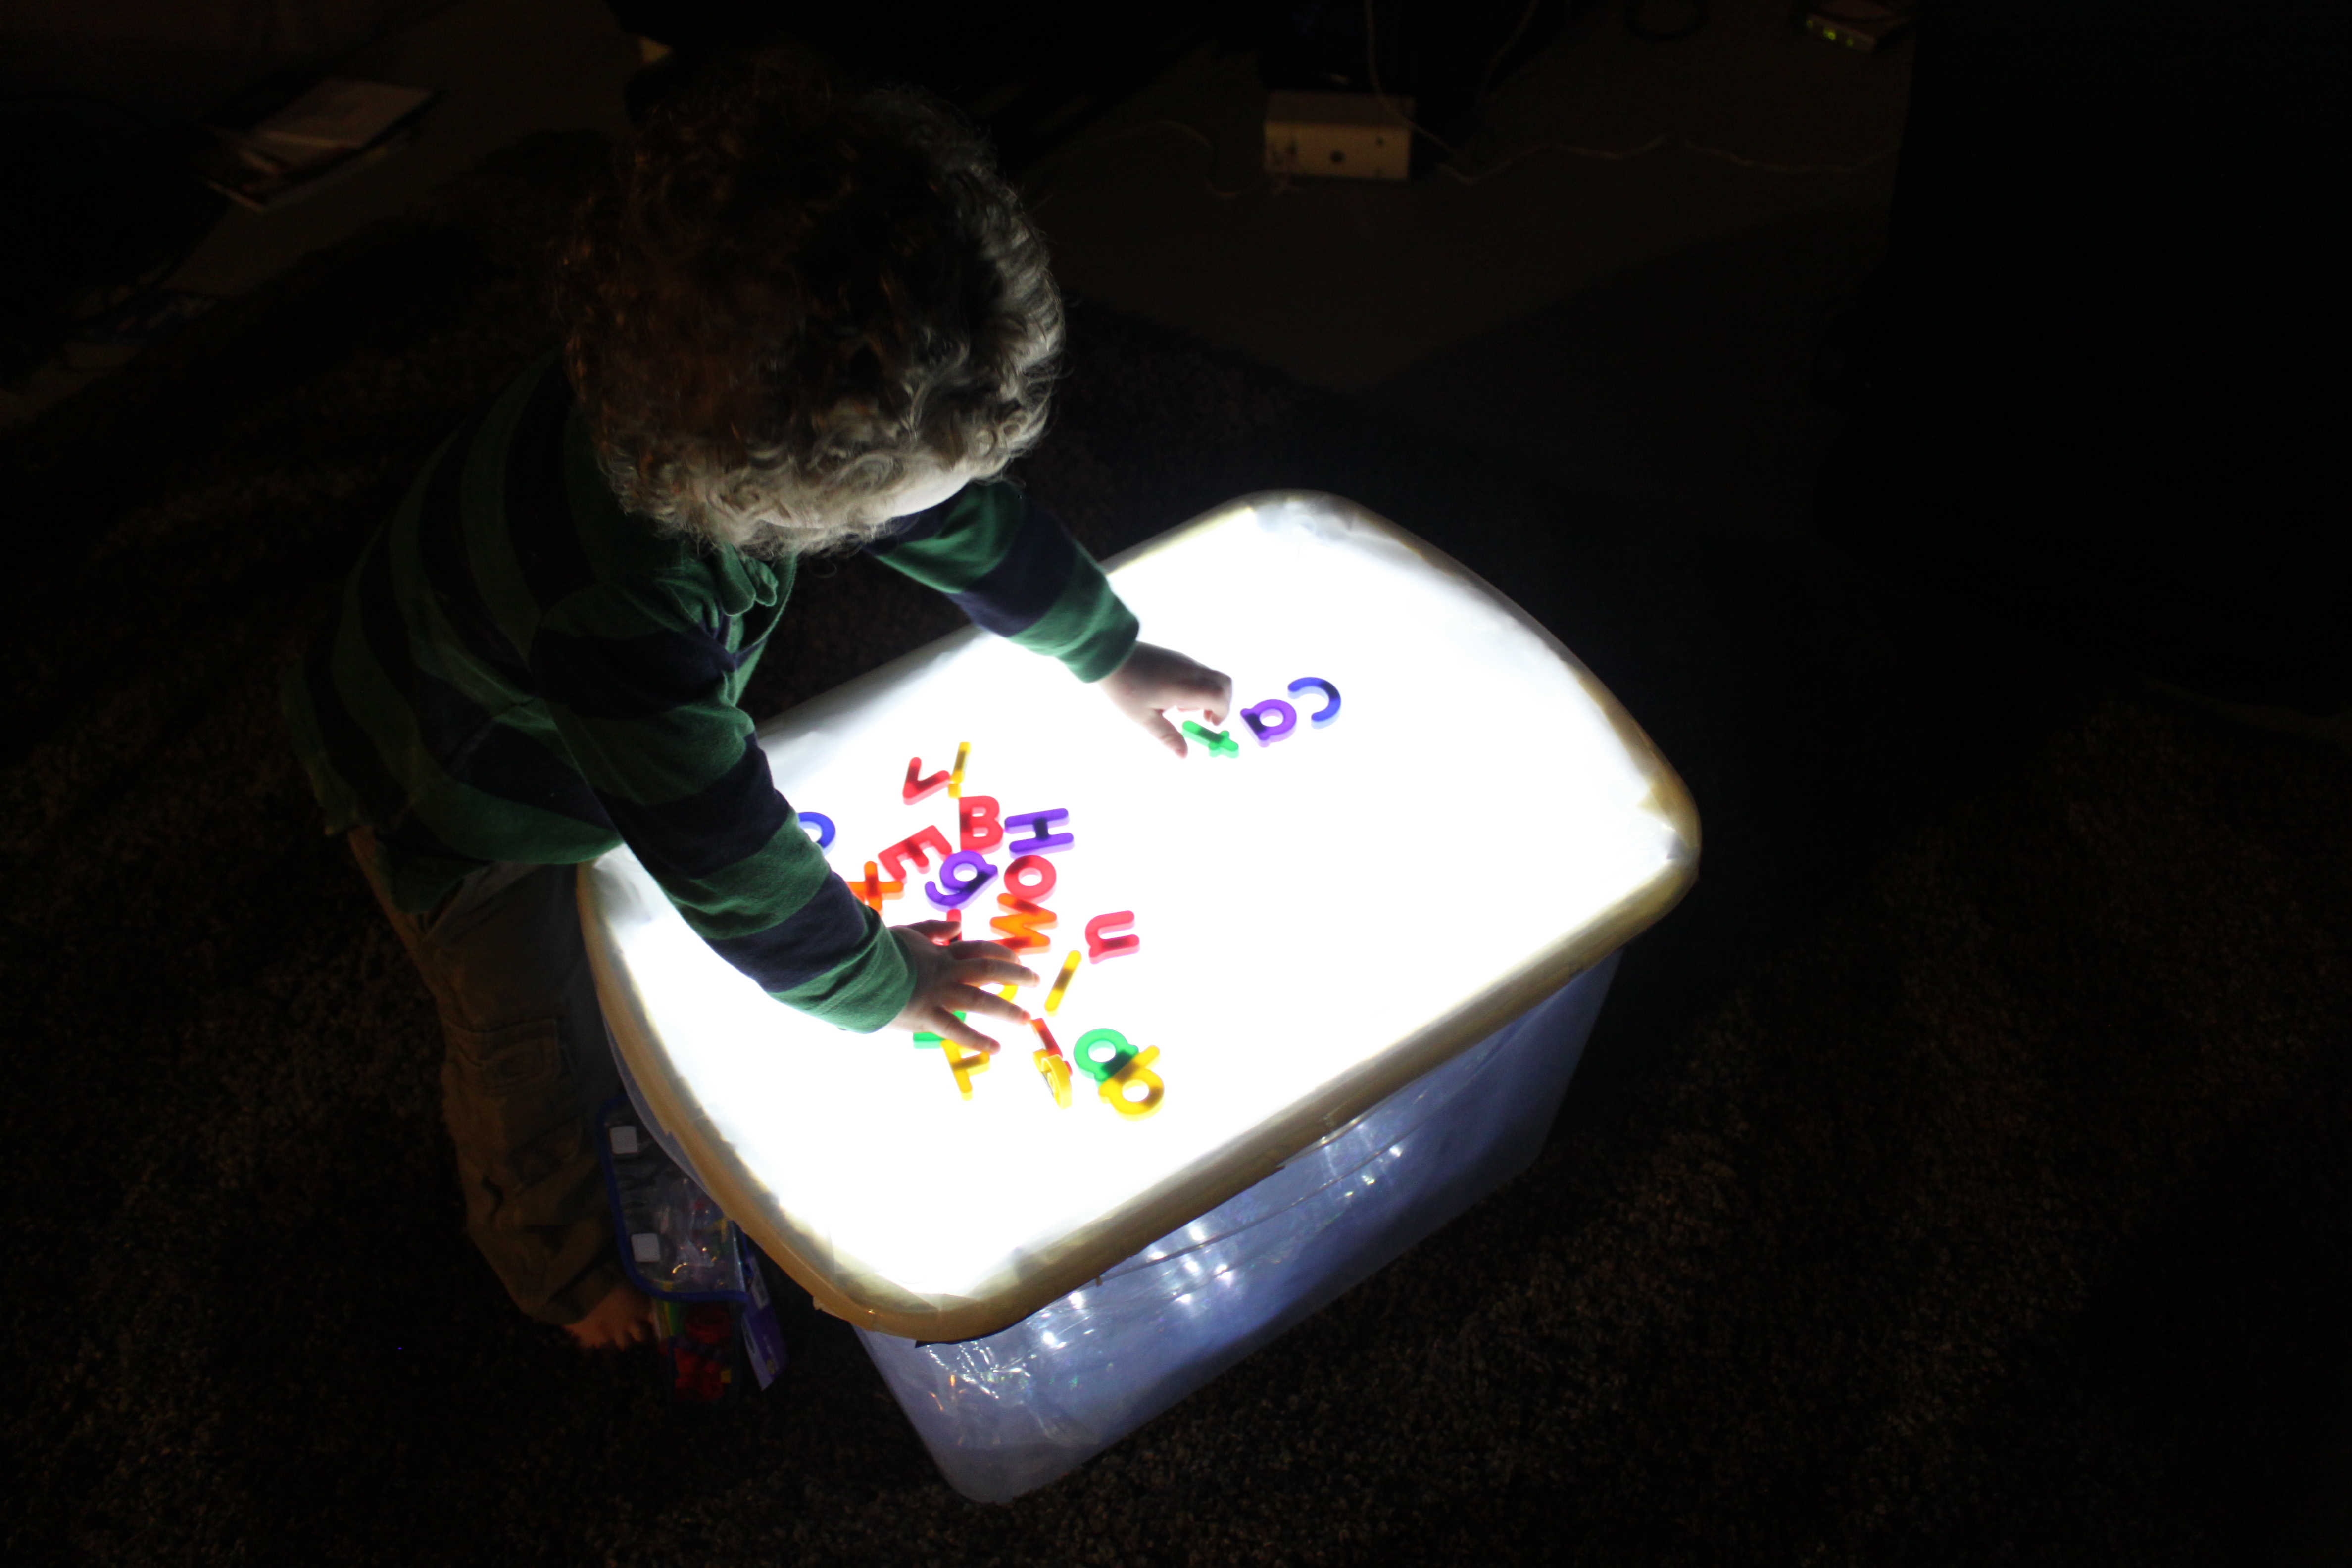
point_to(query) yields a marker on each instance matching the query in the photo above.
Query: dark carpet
(1960, 1175)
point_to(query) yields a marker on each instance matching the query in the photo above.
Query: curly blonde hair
(791, 297)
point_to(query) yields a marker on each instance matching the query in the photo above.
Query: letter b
(976, 819)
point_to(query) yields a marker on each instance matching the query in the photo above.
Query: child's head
(797, 307)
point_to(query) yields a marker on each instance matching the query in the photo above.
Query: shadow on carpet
(1960, 1175)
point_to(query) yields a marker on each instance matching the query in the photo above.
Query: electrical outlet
(1345, 135)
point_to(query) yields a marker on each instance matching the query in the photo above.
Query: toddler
(799, 319)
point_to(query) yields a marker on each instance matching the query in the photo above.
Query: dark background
(1959, 1175)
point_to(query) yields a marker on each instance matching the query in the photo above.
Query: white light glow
(1321, 918)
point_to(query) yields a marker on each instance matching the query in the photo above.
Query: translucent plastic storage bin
(1008, 1413)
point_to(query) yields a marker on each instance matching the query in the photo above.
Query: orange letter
(1021, 926)
(873, 891)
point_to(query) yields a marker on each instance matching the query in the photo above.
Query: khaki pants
(527, 1067)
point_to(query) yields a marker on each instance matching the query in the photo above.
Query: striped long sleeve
(1012, 567)
(637, 687)
(521, 672)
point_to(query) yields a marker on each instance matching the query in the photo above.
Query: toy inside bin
(711, 1305)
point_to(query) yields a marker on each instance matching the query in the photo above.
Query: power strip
(1864, 26)
(1343, 135)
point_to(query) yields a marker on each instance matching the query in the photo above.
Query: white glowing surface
(1306, 909)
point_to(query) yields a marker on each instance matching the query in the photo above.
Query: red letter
(895, 859)
(1100, 946)
(916, 786)
(976, 822)
(1046, 1034)
(1030, 870)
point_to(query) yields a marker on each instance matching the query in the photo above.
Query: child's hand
(1154, 679)
(946, 979)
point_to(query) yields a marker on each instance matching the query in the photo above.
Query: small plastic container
(710, 1304)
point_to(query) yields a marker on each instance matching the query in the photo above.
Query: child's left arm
(1011, 566)
(1155, 679)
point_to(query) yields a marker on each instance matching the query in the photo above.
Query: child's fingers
(977, 1001)
(1167, 734)
(1215, 691)
(934, 931)
(991, 972)
(963, 950)
(1197, 689)
(944, 1022)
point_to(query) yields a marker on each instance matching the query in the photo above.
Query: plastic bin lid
(1322, 917)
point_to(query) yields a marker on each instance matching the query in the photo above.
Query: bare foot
(623, 1318)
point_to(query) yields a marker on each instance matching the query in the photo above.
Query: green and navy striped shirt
(523, 671)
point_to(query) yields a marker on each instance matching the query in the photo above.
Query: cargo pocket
(534, 1197)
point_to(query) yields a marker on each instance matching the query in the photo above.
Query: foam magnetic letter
(1020, 927)
(1084, 1056)
(1330, 708)
(976, 822)
(1062, 981)
(1219, 742)
(824, 827)
(1043, 840)
(961, 875)
(873, 891)
(1114, 1089)
(912, 847)
(1100, 945)
(966, 1062)
(1056, 1074)
(1031, 869)
(918, 788)
(1283, 720)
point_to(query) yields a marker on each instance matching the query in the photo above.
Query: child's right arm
(636, 681)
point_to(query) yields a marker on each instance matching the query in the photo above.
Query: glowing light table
(1369, 955)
